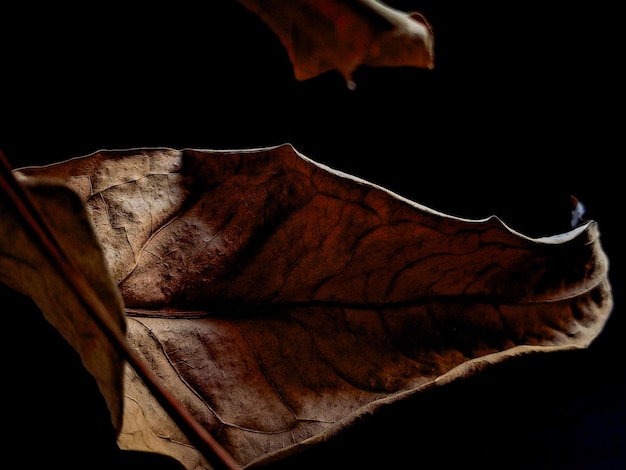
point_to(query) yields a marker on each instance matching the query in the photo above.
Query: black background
(522, 110)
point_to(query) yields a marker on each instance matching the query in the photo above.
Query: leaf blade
(320, 36)
(51, 232)
(274, 283)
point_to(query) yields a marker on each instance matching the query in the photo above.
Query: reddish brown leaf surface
(281, 300)
(26, 267)
(323, 35)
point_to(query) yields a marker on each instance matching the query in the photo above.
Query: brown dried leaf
(323, 35)
(281, 300)
(27, 268)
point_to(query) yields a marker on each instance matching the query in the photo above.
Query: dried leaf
(26, 267)
(281, 300)
(323, 35)
(89, 316)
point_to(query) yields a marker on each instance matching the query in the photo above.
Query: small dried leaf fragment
(27, 269)
(281, 300)
(324, 35)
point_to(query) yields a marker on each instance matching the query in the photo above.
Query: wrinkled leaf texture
(281, 300)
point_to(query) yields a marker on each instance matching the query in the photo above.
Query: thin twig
(197, 435)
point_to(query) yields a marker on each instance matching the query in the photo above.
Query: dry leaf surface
(323, 35)
(25, 267)
(281, 300)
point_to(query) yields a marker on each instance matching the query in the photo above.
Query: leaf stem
(198, 435)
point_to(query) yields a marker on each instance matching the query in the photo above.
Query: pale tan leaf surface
(27, 269)
(323, 35)
(281, 300)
